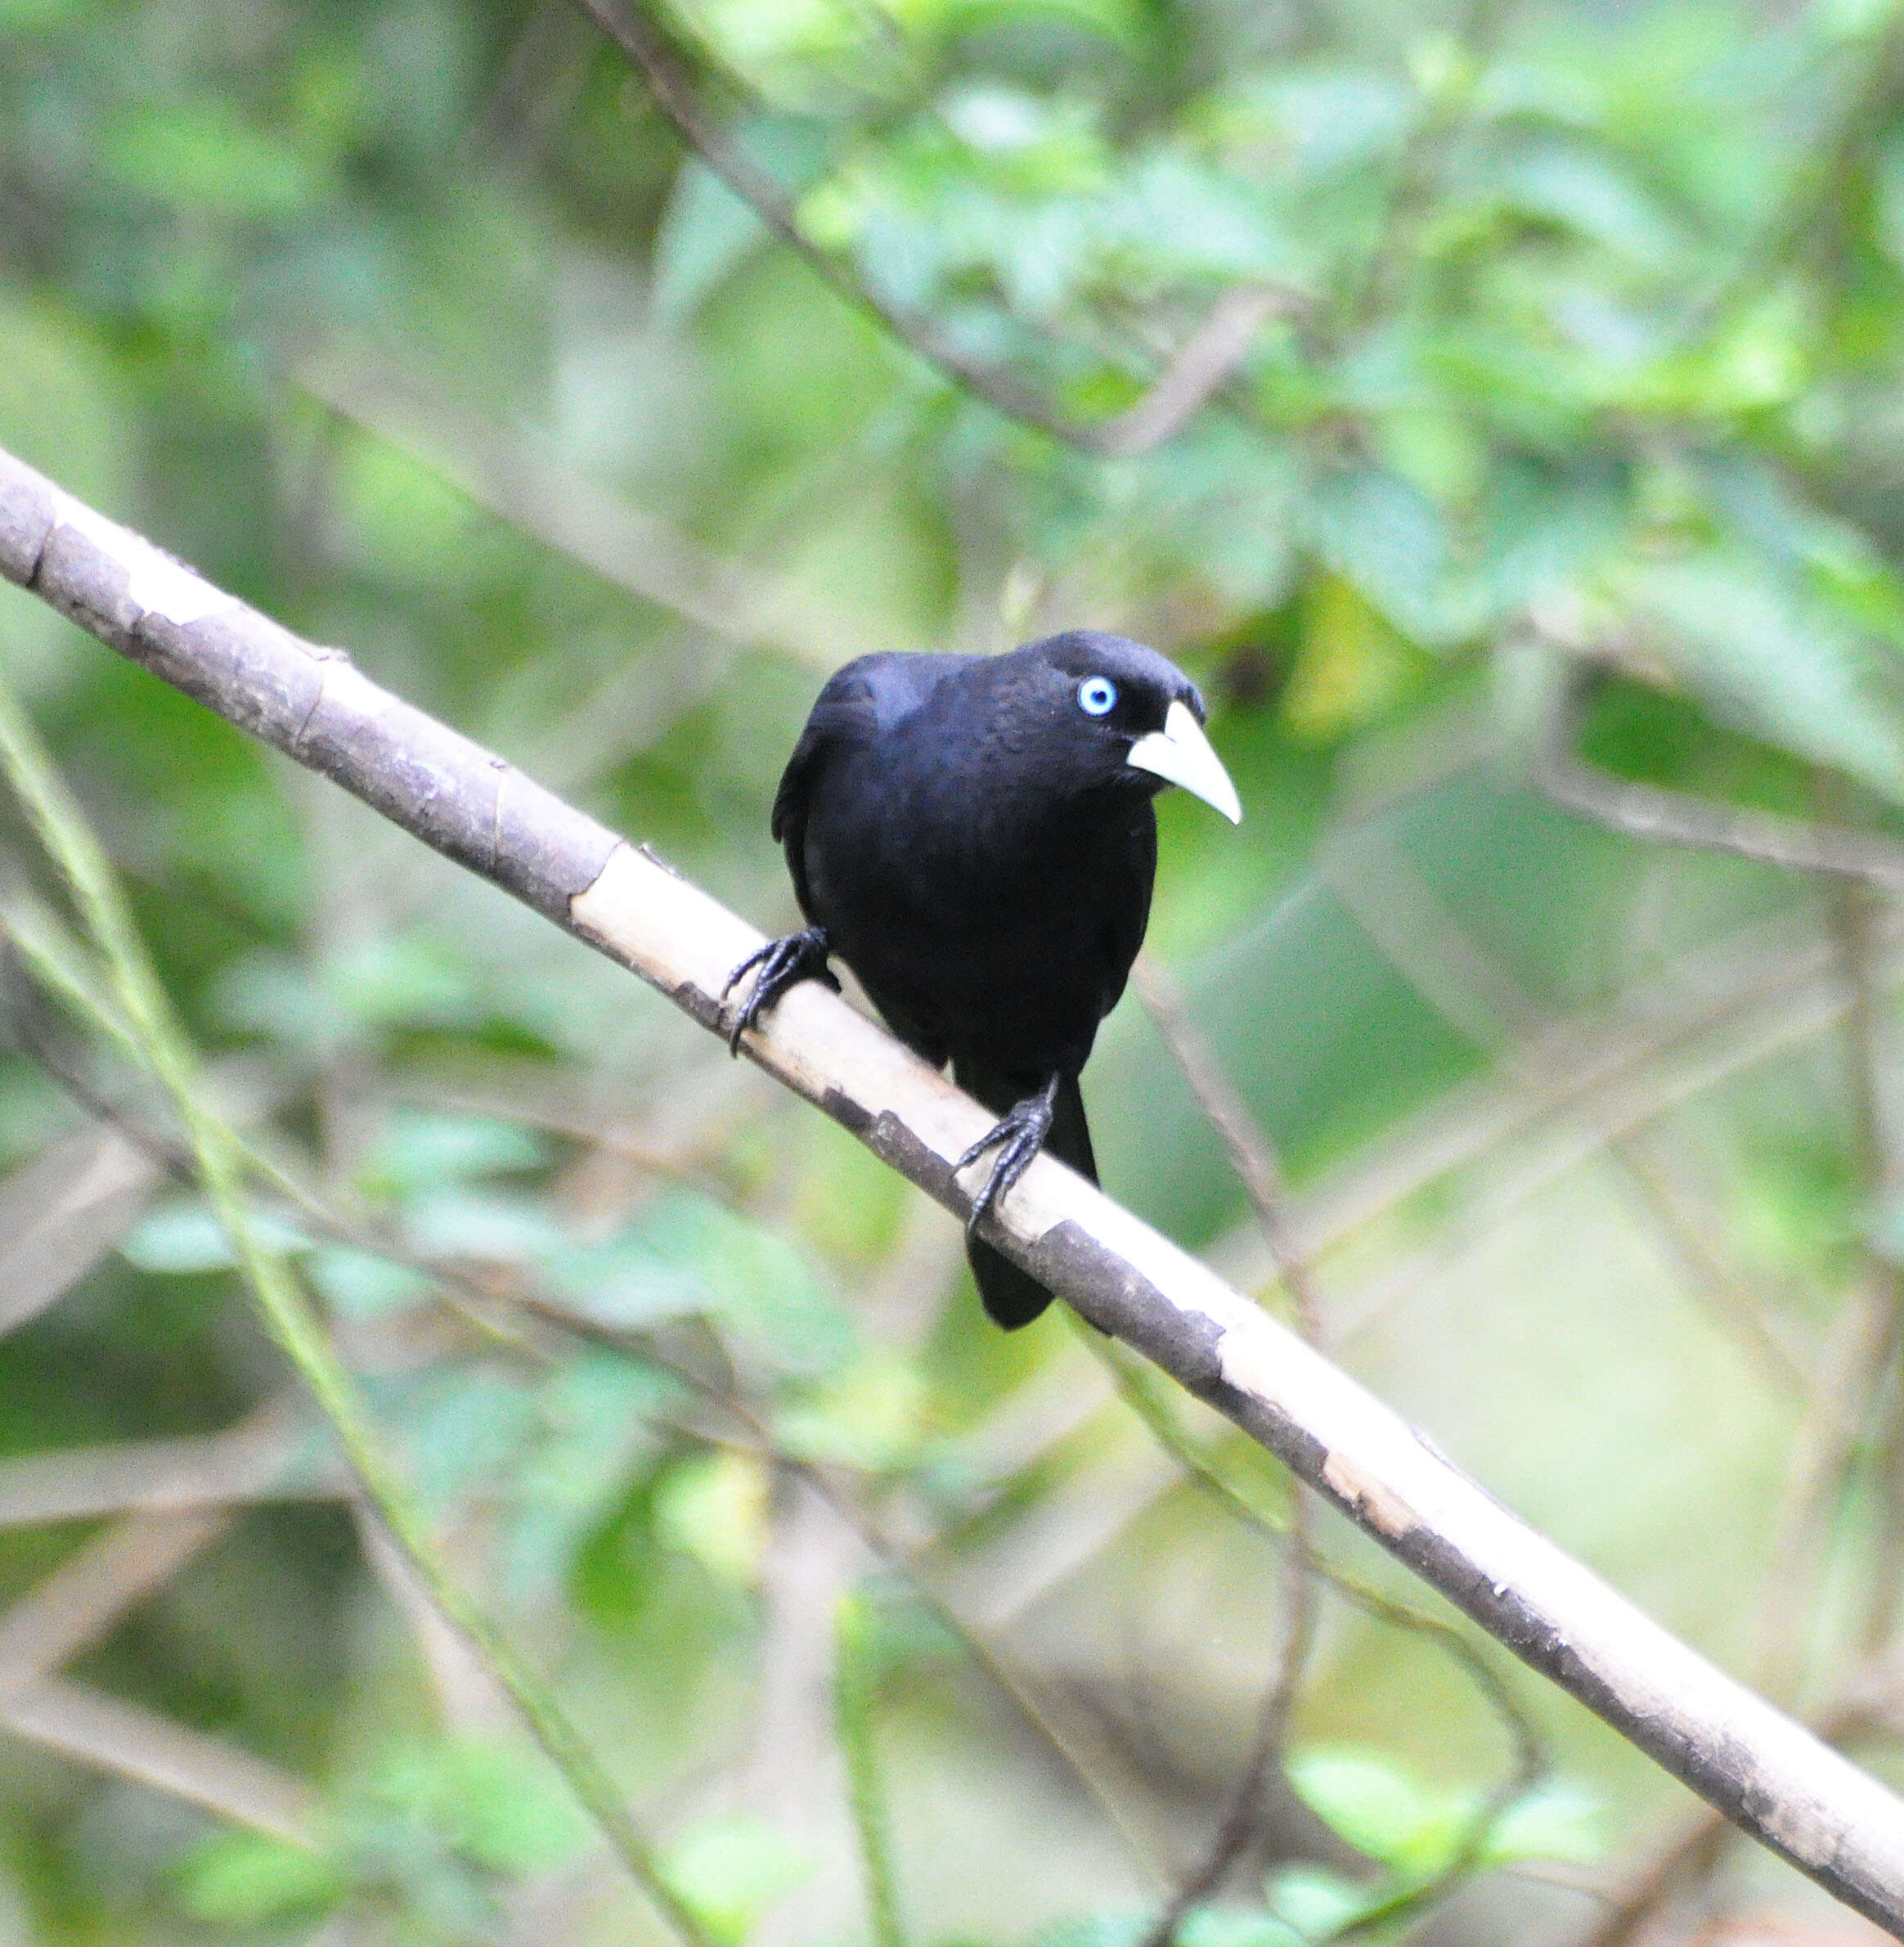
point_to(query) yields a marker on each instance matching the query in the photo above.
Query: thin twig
(1529, 1761)
(1665, 816)
(53, 960)
(900, 1558)
(1406, 917)
(1134, 1384)
(519, 478)
(854, 1712)
(221, 1165)
(1695, 1847)
(1815, 200)
(1251, 1157)
(125, 1739)
(84, 1598)
(1712, 1016)
(1207, 358)
(1242, 1816)
(476, 1303)
(1857, 1376)
(1423, 161)
(1877, 1162)
(248, 1462)
(80, 1603)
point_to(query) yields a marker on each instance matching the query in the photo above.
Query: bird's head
(1133, 713)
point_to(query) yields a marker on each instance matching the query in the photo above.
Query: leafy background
(417, 324)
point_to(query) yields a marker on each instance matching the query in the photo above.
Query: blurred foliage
(414, 321)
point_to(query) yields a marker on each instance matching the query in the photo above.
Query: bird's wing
(860, 702)
(1127, 918)
(842, 713)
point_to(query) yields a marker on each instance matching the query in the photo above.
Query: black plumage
(974, 836)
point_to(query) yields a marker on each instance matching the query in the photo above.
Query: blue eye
(1097, 696)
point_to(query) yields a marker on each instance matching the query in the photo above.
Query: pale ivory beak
(1181, 752)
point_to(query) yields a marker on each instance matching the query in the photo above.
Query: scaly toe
(990, 1140)
(1018, 1137)
(753, 959)
(780, 963)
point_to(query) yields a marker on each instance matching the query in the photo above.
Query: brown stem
(1251, 1157)
(1678, 818)
(1206, 359)
(1242, 1816)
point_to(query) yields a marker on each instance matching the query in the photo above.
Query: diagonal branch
(521, 479)
(1769, 1776)
(1671, 817)
(1253, 1161)
(116, 1734)
(79, 1603)
(1210, 354)
(84, 1598)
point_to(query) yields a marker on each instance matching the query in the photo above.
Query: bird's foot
(1018, 1139)
(780, 963)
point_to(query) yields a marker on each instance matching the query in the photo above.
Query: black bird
(974, 836)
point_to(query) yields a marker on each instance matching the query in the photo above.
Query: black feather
(979, 849)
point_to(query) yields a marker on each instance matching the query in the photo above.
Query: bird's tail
(1013, 1297)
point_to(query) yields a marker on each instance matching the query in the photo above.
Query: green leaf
(869, 1417)
(490, 1226)
(278, 994)
(1175, 218)
(1770, 661)
(1380, 1809)
(1094, 1929)
(706, 235)
(757, 1282)
(707, 232)
(1349, 662)
(359, 1285)
(185, 1235)
(1555, 1821)
(247, 1879)
(1230, 1927)
(460, 1427)
(1318, 1903)
(492, 1803)
(1319, 119)
(418, 1150)
(1588, 192)
(594, 1435)
(1388, 540)
(624, 1283)
(732, 1871)
(714, 1506)
(202, 154)
(1853, 20)
(406, 980)
(687, 1253)
(1118, 21)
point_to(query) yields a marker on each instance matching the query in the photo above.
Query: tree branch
(1773, 1777)
(1255, 1161)
(1205, 360)
(1678, 818)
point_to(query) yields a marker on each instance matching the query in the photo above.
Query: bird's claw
(1017, 1138)
(782, 964)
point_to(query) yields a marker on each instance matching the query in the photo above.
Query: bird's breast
(983, 924)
